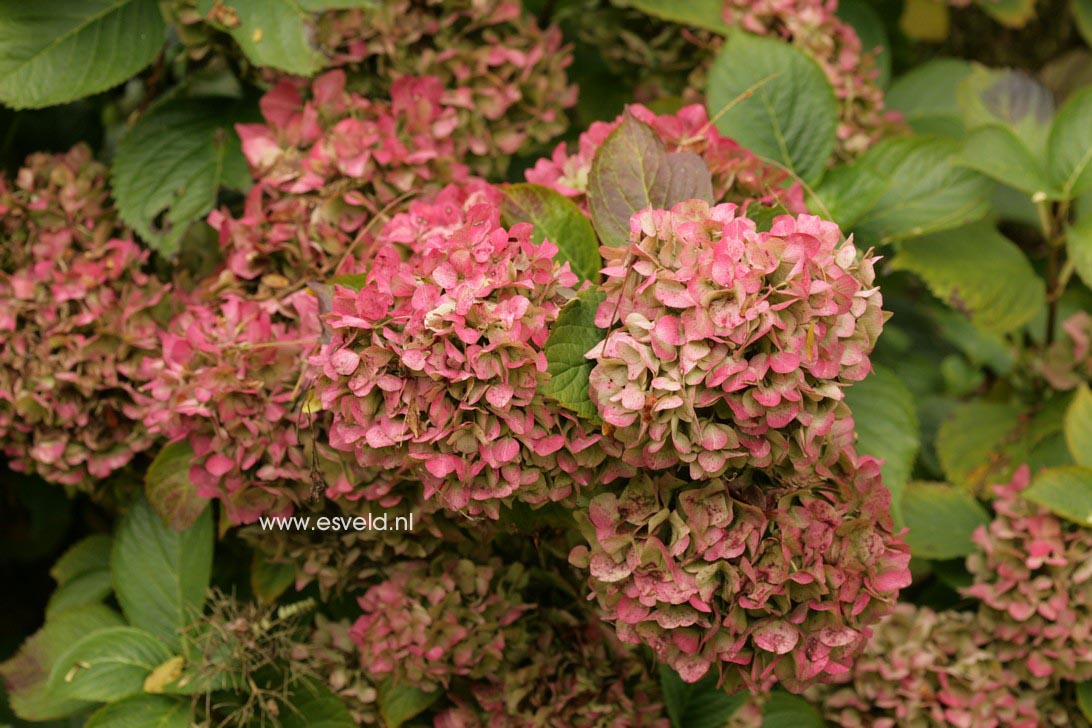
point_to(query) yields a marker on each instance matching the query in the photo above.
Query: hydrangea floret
(78, 315)
(762, 585)
(727, 347)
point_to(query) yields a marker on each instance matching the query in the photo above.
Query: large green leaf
(846, 194)
(168, 488)
(970, 438)
(927, 97)
(160, 575)
(940, 520)
(923, 191)
(399, 702)
(697, 705)
(1066, 491)
(1013, 13)
(1069, 150)
(61, 50)
(1078, 241)
(1084, 689)
(783, 710)
(558, 219)
(170, 166)
(27, 673)
(107, 665)
(1012, 100)
(997, 152)
(886, 423)
(143, 711)
(82, 575)
(1078, 426)
(574, 334)
(1082, 14)
(784, 107)
(977, 270)
(708, 14)
(633, 171)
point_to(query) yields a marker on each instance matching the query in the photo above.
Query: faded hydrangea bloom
(727, 347)
(762, 585)
(565, 673)
(738, 175)
(505, 76)
(926, 668)
(436, 360)
(1034, 578)
(325, 166)
(330, 655)
(1067, 362)
(78, 314)
(431, 622)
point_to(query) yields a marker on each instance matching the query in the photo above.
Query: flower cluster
(504, 74)
(330, 654)
(738, 175)
(438, 359)
(78, 314)
(761, 584)
(430, 622)
(1033, 576)
(569, 674)
(727, 347)
(927, 668)
(326, 166)
(228, 382)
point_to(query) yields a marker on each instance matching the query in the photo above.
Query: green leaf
(1082, 14)
(870, 30)
(107, 665)
(1013, 13)
(782, 105)
(168, 488)
(58, 51)
(170, 166)
(977, 270)
(27, 673)
(887, 428)
(160, 575)
(1069, 149)
(927, 97)
(697, 705)
(574, 334)
(1084, 689)
(997, 152)
(846, 194)
(707, 14)
(401, 702)
(143, 711)
(268, 579)
(1066, 491)
(923, 191)
(1078, 241)
(84, 557)
(941, 520)
(1078, 426)
(89, 588)
(274, 33)
(969, 438)
(558, 219)
(1010, 99)
(783, 710)
(633, 171)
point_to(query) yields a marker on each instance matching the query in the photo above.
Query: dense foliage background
(732, 356)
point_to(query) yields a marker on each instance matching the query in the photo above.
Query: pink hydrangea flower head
(78, 315)
(562, 673)
(763, 585)
(738, 175)
(1033, 576)
(437, 359)
(932, 668)
(229, 381)
(505, 76)
(430, 622)
(727, 347)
